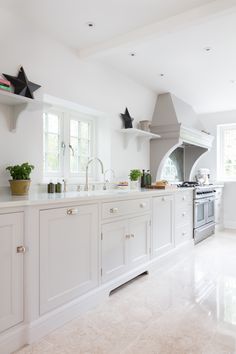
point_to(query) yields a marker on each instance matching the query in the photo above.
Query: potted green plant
(20, 181)
(134, 178)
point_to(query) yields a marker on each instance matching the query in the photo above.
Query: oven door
(210, 217)
(200, 212)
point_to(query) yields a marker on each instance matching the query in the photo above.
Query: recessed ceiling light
(132, 54)
(90, 24)
(207, 49)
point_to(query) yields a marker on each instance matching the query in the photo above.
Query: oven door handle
(201, 202)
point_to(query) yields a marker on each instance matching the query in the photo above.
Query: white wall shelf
(18, 104)
(140, 135)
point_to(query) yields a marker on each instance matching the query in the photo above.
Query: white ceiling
(203, 79)
(66, 19)
(174, 48)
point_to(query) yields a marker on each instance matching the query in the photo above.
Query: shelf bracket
(127, 139)
(16, 112)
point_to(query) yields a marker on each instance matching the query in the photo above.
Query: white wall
(62, 74)
(209, 160)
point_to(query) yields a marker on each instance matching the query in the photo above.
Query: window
(226, 135)
(68, 143)
(173, 168)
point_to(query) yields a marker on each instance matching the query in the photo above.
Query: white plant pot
(134, 185)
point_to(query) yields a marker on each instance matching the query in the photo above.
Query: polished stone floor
(187, 308)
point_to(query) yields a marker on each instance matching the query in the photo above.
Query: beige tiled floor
(190, 308)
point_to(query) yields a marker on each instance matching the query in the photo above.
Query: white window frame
(220, 152)
(65, 115)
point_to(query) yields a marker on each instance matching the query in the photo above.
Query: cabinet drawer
(183, 215)
(183, 234)
(183, 198)
(125, 207)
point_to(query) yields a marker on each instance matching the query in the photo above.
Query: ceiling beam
(158, 29)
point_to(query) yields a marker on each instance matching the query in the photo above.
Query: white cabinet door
(115, 236)
(11, 270)
(68, 254)
(139, 230)
(162, 231)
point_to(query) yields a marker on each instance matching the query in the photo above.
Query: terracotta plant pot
(19, 187)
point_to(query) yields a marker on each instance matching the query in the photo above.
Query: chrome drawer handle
(21, 249)
(184, 213)
(163, 199)
(183, 233)
(114, 210)
(132, 235)
(72, 211)
(142, 205)
(184, 198)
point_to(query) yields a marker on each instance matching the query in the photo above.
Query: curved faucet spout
(86, 187)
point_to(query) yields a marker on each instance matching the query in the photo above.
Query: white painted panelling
(68, 254)
(163, 223)
(11, 270)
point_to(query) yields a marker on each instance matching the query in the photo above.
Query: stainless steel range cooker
(204, 210)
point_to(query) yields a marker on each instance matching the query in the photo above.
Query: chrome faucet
(87, 167)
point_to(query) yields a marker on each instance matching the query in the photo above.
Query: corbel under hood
(178, 125)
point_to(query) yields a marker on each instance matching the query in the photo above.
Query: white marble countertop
(7, 200)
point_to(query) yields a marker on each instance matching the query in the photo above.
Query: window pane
(52, 162)
(74, 164)
(53, 143)
(84, 147)
(53, 123)
(229, 152)
(83, 162)
(84, 130)
(74, 143)
(74, 128)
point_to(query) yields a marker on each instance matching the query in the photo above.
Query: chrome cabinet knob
(132, 235)
(72, 211)
(184, 213)
(183, 233)
(127, 236)
(21, 249)
(184, 198)
(114, 210)
(142, 205)
(163, 199)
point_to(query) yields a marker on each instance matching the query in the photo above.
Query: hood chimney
(178, 125)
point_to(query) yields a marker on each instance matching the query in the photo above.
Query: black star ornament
(22, 86)
(127, 119)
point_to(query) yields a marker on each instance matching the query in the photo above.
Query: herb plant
(135, 175)
(20, 172)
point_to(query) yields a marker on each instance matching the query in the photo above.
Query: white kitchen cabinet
(125, 246)
(183, 216)
(219, 210)
(139, 245)
(114, 249)
(11, 269)
(162, 230)
(68, 254)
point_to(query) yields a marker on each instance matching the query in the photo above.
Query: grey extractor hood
(178, 125)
